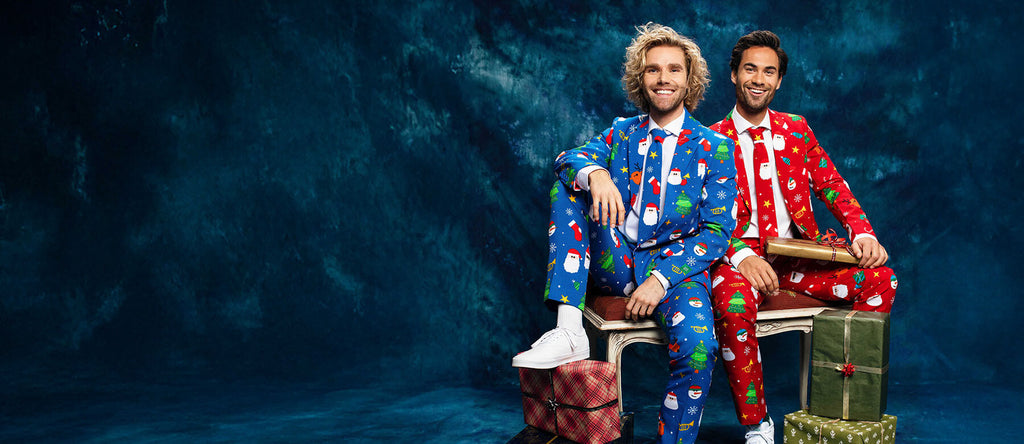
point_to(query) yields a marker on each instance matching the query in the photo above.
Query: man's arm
(830, 187)
(593, 158)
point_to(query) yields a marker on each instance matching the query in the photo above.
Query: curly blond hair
(649, 36)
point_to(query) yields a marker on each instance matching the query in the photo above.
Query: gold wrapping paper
(808, 249)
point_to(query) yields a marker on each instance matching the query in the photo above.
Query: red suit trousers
(735, 306)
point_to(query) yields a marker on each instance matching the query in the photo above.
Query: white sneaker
(556, 347)
(763, 433)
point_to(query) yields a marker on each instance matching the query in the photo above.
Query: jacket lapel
(634, 158)
(729, 130)
(786, 162)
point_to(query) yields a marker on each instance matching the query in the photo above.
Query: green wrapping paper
(849, 364)
(803, 427)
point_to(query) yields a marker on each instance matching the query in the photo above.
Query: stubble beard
(745, 101)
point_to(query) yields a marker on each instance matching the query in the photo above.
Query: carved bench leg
(616, 342)
(805, 365)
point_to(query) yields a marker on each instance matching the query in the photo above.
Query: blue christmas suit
(692, 231)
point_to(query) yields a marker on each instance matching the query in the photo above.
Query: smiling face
(756, 79)
(664, 82)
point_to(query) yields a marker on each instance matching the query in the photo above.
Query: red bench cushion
(613, 308)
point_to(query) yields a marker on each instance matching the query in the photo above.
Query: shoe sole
(578, 356)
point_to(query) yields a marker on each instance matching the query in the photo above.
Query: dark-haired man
(778, 161)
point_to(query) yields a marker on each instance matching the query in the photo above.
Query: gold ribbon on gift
(843, 367)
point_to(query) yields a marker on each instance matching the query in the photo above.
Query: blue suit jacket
(699, 217)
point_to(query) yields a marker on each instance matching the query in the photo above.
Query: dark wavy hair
(759, 38)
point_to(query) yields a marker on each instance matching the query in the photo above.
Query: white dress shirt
(631, 225)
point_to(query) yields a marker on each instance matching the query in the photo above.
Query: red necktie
(764, 195)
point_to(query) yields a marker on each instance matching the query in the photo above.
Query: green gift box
(849, 364)
(803, 427)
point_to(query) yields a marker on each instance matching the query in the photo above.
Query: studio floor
(99, 408)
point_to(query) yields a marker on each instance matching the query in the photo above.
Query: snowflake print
(746, 350)
(615, 179)
(798, 198)
(650, 169)
(700, 316)
(691, 261)
(692, 410)
(764, 217)
(568, 212)
(551, 247)
(721, 194)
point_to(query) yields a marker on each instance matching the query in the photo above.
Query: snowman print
(695, 391)
(741, 335)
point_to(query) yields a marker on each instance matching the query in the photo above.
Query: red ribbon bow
(831, 239)
(848, 369)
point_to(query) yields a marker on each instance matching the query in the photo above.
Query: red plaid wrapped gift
(578, 400)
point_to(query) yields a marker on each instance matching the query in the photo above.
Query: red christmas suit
(801, 165)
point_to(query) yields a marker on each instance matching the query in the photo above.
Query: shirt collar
(673, 128)
(742, 124)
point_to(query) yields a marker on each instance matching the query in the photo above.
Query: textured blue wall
(357, 190)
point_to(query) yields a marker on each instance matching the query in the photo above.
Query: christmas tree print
(751, 394)
(554, 193)
(722, 153)
(736, 303)
(699, 359)
(858, 277)
(831, 195)
(607, 261)
(683, 205)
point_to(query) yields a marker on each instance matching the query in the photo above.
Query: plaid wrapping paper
(849, 364)
(802, 427)
(577, 400)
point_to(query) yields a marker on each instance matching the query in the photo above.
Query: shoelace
(553, 335)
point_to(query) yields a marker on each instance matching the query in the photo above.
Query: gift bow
(848, 369)
(830, 239)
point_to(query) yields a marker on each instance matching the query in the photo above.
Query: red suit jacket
(802, 165)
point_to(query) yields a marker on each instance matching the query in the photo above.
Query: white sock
(570, 318)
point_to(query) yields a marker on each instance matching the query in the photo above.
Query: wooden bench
(785, 311)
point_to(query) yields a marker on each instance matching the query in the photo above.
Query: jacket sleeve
(696, 251)
(598, 152)
(831, 189)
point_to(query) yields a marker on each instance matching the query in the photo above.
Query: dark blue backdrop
(355, 192)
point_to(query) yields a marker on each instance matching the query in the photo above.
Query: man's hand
(760, 274)
(870, 252)
(645, 299)
(607, 200)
